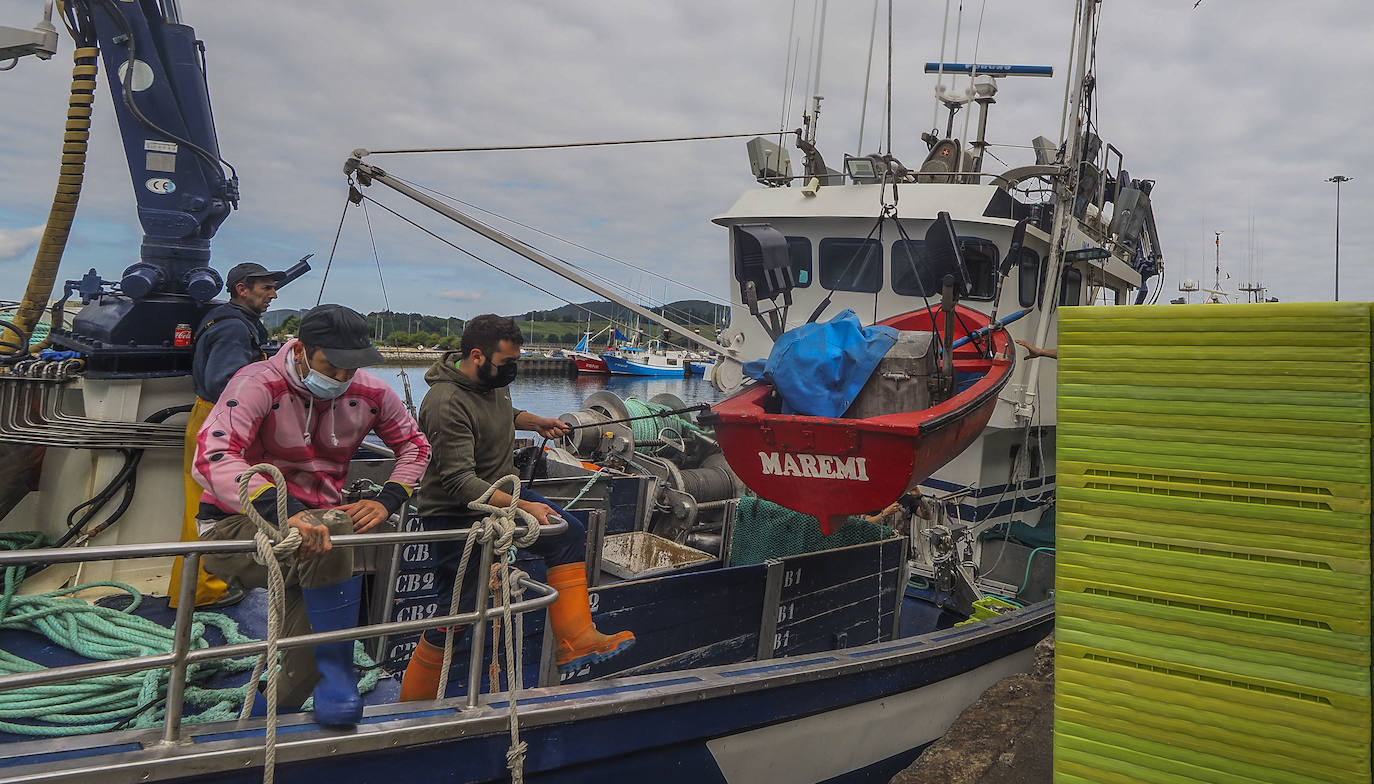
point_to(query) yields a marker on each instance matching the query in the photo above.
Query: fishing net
(763, 530)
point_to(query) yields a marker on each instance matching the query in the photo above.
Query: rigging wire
(439, 194)
(786, 73)
(940, 72)
(889, 92)
(973, 73)
(405, 379)
(377, 257)
(683, 315)
(782, 132)
(474, 256)
(330, 263)
(564, 145)
(868, 69)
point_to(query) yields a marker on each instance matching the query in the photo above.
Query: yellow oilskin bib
(208, 587)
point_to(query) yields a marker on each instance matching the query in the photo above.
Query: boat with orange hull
(833, 467)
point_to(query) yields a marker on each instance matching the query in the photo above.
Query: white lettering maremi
(816, 466)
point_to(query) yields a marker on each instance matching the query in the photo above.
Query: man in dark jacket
(468, 417)
(230, 337)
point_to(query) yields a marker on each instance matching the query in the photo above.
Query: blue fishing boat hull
(859, 714)
(624, 367)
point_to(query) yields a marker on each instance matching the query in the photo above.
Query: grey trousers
(298, 674)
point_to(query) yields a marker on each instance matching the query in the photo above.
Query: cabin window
(913, 274)
(980, 257)
(851, 264)
(1029, 275)
(1071, 287)
(799, 252)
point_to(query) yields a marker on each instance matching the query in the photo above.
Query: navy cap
(249, 269)
(341, 333)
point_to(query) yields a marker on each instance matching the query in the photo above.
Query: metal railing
(181, 656)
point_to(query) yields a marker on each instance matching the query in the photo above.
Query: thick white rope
(499, 528)
(273, 542)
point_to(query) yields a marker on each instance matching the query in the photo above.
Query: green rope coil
(649, 429)
(108, 702)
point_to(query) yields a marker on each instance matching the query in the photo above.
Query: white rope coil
(273, 542)
(498, 529)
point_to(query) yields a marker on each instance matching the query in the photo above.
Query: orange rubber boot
(421, 681)
(579, 643)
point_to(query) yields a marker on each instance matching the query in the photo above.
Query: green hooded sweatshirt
(472, 431)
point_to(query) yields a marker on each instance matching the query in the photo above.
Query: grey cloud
(1238, 108)
(462, 295)
(15, 242)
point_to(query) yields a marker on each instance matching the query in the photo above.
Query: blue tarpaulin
(818, 369)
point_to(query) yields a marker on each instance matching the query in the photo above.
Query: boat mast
(816, 97)
(1063, 214)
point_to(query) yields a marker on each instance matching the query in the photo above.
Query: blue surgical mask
(324, 387)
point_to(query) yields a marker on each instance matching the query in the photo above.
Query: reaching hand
(314, 538)
(549, 427)
(366, 514)
(1033, 351)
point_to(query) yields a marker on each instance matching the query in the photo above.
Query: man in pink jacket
(306, 410)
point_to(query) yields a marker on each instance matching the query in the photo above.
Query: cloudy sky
(1240, 109)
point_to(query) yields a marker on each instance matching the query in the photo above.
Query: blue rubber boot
(330, 608)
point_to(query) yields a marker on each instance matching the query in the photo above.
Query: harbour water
(551, 396)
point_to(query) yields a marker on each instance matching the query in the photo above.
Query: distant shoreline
(540, 365)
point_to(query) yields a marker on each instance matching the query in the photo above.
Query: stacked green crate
(1213, 563)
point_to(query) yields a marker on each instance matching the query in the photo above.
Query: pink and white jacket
(266, 415)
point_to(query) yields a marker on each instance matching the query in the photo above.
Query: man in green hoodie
(469, 419)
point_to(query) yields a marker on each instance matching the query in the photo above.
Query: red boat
(587, 363)
(835, 467)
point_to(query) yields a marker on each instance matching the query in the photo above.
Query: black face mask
(494, 377)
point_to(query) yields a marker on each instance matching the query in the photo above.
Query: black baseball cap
(341, 333)
(249, 269)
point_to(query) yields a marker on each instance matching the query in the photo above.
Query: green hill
(562, 326)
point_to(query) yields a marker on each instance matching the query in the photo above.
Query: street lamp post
(1338, 179)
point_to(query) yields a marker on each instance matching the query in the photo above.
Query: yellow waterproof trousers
(208, 587)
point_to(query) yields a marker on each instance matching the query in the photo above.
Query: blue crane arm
(157, 81)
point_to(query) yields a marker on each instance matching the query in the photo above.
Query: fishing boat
(766, 649)
(586, 361)
(835, 467)
(653, 360)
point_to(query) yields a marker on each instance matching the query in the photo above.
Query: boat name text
(815, 466)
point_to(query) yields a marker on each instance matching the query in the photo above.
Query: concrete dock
(1006, 737)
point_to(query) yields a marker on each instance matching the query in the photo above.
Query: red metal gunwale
(900, 449)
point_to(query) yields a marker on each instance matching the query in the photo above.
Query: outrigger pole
(367, 174)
